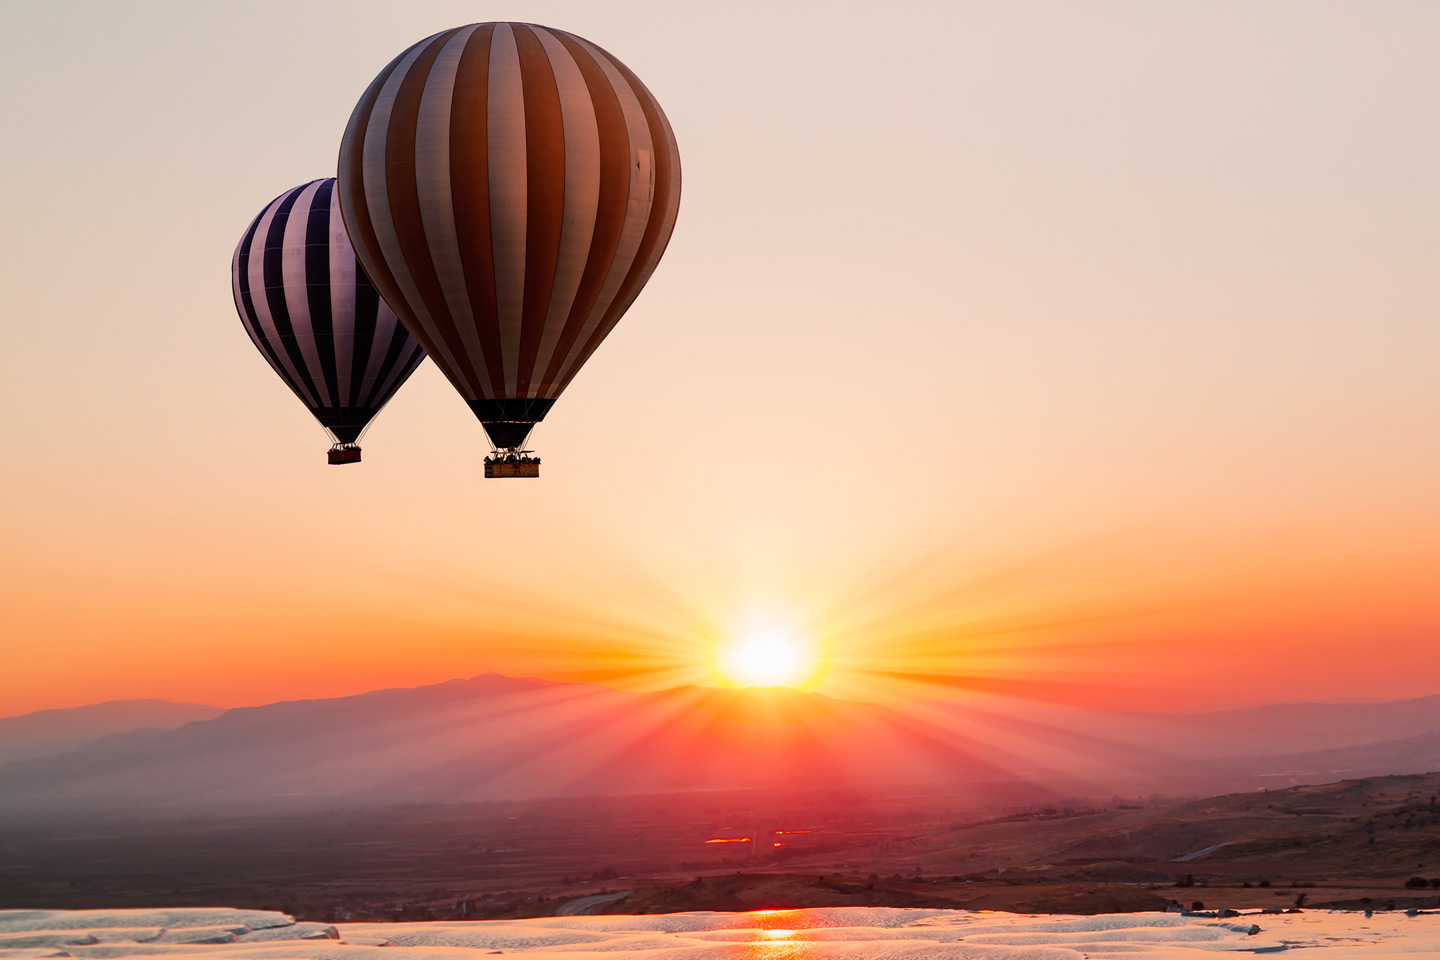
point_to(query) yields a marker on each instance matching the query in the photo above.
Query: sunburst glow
(765, 656)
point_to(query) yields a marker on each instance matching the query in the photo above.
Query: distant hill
(495, 737)
(49, 732)
(1285, 728)
(1409, 755)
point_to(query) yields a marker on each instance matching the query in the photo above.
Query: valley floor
(1351, 845)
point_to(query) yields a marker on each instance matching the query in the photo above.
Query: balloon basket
(511, 466)
(348, 453)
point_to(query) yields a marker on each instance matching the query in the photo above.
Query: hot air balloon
(315, 316)
(509, 188)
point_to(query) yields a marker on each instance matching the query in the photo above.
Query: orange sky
(1077, 352)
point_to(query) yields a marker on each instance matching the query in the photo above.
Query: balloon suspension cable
(509, 457)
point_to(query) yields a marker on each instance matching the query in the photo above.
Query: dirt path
(582, 906)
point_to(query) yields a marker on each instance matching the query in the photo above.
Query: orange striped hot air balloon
(509, 188)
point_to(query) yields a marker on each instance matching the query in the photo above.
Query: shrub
(1415, 883)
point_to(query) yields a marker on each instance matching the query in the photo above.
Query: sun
(765, 656)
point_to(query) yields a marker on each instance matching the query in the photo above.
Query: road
(1200, 853)
(582, 906)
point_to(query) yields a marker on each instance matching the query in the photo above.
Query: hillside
(1353, 844)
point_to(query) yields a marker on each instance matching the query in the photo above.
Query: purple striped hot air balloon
(314, 315)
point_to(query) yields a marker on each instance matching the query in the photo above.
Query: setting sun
(766, 657)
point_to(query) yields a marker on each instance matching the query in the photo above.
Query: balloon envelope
(510, 188)
(314, 315)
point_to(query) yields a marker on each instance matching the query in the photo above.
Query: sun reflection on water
(770, 940)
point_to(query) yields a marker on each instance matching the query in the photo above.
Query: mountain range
(49, 732)
(493, 737)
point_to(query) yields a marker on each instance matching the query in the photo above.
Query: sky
(1077, 352)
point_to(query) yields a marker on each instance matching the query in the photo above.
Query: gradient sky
(1086, 352)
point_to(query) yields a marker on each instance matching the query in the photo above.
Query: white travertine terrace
(859, 933)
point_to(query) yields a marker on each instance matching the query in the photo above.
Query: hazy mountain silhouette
(49, 732)
(496, 737)
(1303, 727)
(1410, 755)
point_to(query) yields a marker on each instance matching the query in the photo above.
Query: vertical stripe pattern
(314, 315)
(510, 188)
